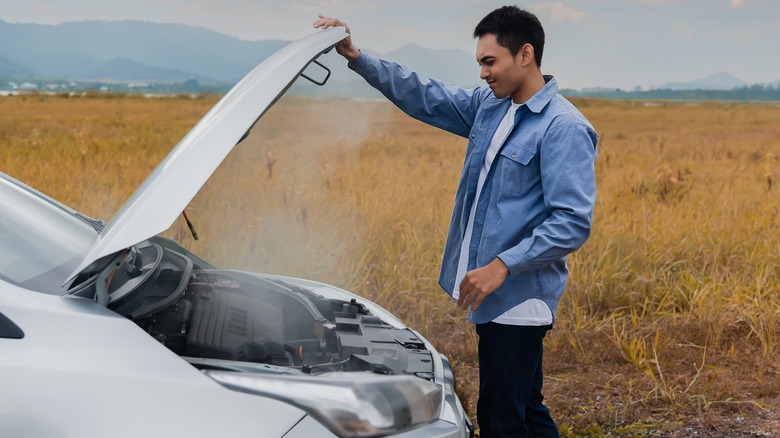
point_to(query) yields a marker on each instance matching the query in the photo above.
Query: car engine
(204, 313)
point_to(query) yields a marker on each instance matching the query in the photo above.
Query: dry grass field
(670, 325)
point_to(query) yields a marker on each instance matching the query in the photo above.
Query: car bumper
(308, 427)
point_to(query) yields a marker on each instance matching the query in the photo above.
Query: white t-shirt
(533, 311)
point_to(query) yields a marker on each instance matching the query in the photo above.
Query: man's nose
(483, 73)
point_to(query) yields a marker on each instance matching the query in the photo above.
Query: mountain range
(143, 51)
(124, 51)
(717, 81)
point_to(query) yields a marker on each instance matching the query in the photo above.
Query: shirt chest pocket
(518, 170)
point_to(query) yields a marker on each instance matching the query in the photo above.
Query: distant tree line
(359, 89)
(60, 86)
(753, 92)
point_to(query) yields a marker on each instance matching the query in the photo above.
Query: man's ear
(526, 54)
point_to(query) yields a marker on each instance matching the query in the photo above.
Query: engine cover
(240, 316)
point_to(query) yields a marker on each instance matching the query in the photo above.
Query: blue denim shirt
(537, 201)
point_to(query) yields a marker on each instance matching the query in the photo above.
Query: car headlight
(349, 404)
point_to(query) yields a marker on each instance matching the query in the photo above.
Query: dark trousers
(510, 382)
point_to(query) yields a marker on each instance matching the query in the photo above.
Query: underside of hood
(162, 197)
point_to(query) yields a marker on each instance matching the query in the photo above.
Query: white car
(113, 331)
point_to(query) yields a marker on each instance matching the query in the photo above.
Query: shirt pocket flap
(518, 155)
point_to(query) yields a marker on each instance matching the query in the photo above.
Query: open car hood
(162, 197)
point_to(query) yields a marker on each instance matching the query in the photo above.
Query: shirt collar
(542, 97)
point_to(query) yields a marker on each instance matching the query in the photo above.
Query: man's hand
(344, 47)
(481, 282)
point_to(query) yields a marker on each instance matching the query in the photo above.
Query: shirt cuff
(360, 63)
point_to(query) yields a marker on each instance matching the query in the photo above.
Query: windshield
(40, 243)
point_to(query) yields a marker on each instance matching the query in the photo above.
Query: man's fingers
(323, 22)
(327, 22)
(461, 299)
(481, 282)
(465, 300)
(477, 302)
(463, 292)
(468, 292)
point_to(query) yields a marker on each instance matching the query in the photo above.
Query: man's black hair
(514, 28)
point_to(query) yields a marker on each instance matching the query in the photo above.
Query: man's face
(502, 72)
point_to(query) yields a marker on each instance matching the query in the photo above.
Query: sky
(590, 43)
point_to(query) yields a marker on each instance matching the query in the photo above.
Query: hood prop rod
(189, 225)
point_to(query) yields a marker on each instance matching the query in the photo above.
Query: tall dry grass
(672, 312)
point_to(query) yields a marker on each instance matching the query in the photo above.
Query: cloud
(199, 6)
(402, 31)
(310, 7)
(46, 9)
(263, 20)
(736, 3)
(683, 31)
(557, 12)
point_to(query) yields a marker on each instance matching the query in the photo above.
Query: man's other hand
(345, 47)
(481, 282)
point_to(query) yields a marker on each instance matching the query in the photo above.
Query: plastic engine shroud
(246, 317)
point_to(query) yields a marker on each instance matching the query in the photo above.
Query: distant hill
(167, 51)
(139, 50)
(451, 66)
(717, 81)
(123, 69)
(11, 69)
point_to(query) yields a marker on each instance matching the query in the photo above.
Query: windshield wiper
(97, 224)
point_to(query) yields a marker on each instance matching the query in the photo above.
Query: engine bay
(203, 313)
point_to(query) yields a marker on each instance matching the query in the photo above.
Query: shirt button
(514, 155)
(473, 135)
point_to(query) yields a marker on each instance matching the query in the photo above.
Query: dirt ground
(628, 405)
(574, 406)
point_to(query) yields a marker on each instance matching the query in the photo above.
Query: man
(524, 201)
